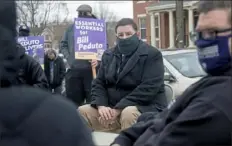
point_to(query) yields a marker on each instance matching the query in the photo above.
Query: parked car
(181, 69)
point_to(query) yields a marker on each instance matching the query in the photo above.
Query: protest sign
(34, 46)
(90, 38)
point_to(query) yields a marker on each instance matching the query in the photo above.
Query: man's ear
(138, 34)
(230, 45)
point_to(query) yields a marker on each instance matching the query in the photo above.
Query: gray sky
(121, 8)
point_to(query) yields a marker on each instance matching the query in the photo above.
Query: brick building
(142, 19)
(157, 22)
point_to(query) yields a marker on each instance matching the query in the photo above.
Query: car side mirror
(168, 77)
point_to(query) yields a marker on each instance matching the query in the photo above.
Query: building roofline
(165, 7)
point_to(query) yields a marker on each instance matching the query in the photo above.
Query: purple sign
(34, 46)
(90, 38)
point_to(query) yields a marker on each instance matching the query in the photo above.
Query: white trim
(171, 30)
(152, 22)
(169, 6)
(141, 15)
(142, 28)
(145, 40)
(157, 39)
(190, 25)
(138, 2)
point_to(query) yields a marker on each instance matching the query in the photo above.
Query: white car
(181, 69)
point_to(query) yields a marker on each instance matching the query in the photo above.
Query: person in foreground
(130, 81)
(202, 115)
(30, 116)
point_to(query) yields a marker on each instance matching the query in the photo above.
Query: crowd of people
(129, 86)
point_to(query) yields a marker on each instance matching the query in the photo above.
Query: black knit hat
(84, 8)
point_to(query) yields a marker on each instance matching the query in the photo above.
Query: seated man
(201, 116)
(130, 81)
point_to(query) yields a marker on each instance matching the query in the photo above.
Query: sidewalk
(103, 138)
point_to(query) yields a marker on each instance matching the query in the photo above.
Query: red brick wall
(139, 8)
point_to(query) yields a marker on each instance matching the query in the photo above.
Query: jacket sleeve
(152, 81)
(129, 136)
(98, 92)
(64, 48)
(199, 124)
(37, 75)
(62, 69)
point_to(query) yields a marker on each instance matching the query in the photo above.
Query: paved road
(103, 138)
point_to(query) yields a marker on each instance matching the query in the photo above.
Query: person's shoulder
(59, 58)
(109, 52)
(216, 91)
(150, 50)
(29, 58)
(42, 104)
(30, 61)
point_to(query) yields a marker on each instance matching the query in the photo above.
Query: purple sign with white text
(34, 46)
(90, 38)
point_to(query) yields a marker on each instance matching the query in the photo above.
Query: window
(49, 45)
(143, 29)
(47, 37)
(157, 30)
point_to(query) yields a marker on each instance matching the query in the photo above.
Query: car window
(166, 70)
(186, 63)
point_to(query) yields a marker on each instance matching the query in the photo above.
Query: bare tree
(39, 14)
(103, 11)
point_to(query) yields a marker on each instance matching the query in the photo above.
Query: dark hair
(209, 5)
(85, 15)
(126, 21)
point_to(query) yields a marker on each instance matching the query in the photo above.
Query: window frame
(143, 28)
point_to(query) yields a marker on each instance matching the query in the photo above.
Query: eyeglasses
(207, 35)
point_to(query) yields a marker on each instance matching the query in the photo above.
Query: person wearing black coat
(30, 71)
(201, 116)
(30, 116)
(79, 76)
(130, 81)
(55, 70)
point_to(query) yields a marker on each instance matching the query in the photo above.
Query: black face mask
(129, 45)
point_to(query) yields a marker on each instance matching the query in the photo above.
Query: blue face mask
(214, 55)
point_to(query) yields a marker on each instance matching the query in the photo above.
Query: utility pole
(180, 23)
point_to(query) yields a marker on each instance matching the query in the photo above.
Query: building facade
(161, 32)
(142, 18)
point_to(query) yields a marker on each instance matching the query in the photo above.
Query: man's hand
(116, 113)
(94, 63)
(105, 113)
